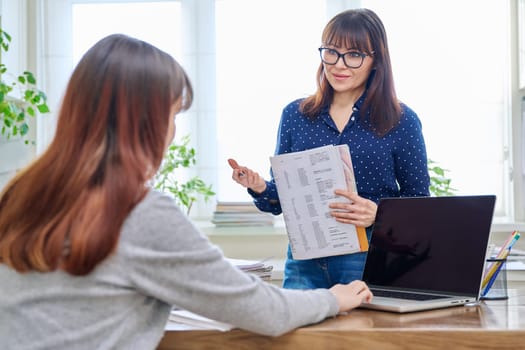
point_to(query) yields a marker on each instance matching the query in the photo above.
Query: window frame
(52, 52)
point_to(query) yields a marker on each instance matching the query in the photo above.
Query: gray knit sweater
(161, 260)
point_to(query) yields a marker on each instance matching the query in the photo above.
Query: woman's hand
(360, 211)
(349, 296)
(247, 177)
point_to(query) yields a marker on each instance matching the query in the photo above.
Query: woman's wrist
(259, 188)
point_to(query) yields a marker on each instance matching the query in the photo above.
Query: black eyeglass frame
(342, 55)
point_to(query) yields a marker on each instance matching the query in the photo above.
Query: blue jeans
(323, 272)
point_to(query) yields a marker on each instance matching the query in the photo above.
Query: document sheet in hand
(306, 182)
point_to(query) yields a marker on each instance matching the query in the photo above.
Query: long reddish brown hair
(363, 30)
(66, 209)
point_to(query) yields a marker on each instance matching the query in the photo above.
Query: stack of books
(240, 214)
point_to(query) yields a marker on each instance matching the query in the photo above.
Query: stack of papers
(240, 214)
(180, 319)
(258, 268)
(186, 320)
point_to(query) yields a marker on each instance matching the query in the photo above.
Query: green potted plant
(439, 182)
(20, 99)
(166, 180)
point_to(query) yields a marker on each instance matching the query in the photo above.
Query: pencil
(502, 254)
(507, 243)
(494, 267)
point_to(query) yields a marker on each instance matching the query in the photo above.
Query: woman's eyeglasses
(351, 59)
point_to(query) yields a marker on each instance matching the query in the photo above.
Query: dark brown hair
(66, 209)
(363, 30)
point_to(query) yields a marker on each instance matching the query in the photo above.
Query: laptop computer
(428, 252)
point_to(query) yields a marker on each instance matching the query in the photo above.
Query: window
(456, 77)
(155, 22)
(265, 59)
(521, 43)
(449, 66)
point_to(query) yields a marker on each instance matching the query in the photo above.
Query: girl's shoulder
(156, 206)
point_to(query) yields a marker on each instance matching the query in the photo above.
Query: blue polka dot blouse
(394, 165)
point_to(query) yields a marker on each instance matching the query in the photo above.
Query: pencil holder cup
(496, 287)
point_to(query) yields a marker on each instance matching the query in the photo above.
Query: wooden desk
(490, 325)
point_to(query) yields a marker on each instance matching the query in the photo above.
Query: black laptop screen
(430, 243)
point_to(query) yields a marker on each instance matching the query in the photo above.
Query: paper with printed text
(306, 182)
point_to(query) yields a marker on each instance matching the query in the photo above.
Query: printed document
(306, 182)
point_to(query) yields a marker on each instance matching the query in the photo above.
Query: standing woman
(91, 257)
(355, 104)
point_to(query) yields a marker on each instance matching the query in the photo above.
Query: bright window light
(155, 22)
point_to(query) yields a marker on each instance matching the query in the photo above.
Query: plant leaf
(30, 77)
(24, 128)
(43, 108)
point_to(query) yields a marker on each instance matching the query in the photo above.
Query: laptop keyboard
(406, 295)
